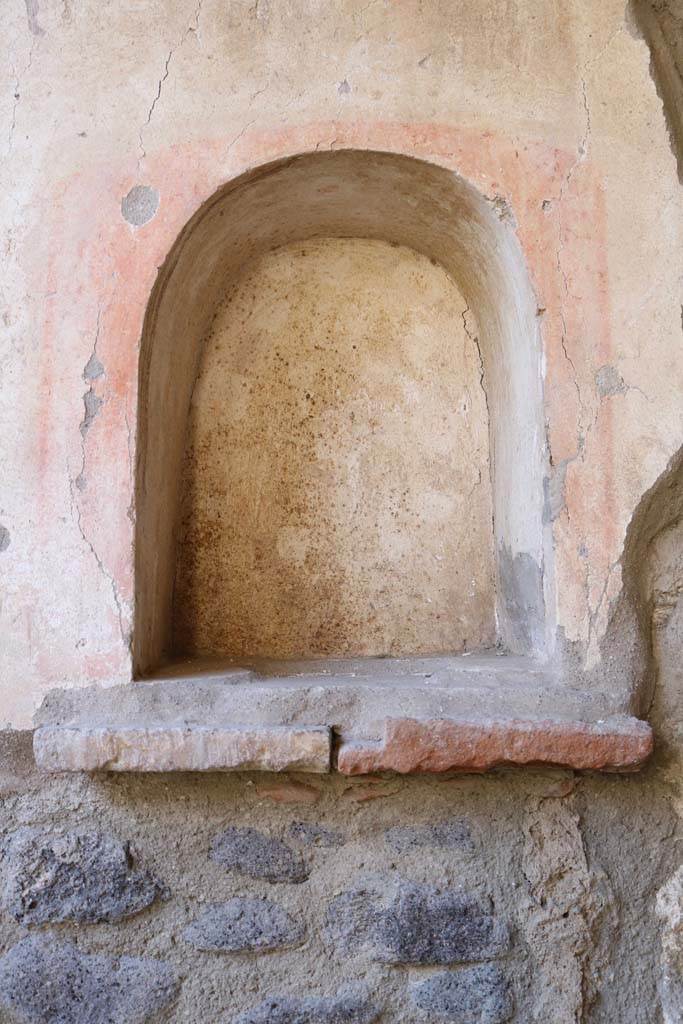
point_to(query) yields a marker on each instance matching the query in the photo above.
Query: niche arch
(349, 194)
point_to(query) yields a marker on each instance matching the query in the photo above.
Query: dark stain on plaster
(4, 538)
(140, 205)
(522, 602)
(32, 17)
(503, 210)
(344, 88)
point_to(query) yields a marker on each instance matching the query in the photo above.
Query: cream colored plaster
(336, 490)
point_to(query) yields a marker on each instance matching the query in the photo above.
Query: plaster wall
(120, 122)
(546, 110)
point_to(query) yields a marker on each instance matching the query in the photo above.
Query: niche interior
(340, 447)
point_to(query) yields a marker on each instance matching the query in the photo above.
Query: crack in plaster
(17, 97)
(359, 16)
(143, 152)
(13, 123)
(131, 478)
(94, 370)
(92, 402)
(594, 613)
(160, 84)
(474, 338)
(240, 134)
(475, 341)
(583, 147)
(76, 514)
(247, 126)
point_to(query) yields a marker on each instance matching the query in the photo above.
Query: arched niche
(349, 194)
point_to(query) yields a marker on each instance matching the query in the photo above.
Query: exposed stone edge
(182, 748)
(439, 745)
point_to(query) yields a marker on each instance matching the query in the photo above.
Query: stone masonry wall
(515, 897)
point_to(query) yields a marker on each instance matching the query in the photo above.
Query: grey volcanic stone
(44, 981)
(259, 856)
(419, 925)
(244, 924)
(473, 995)
(350, 1006)
(73, 876)
(308, 833)
(448, 835)
(352, 920)
(425, 927)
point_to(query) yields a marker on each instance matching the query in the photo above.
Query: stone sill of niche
(355, 716)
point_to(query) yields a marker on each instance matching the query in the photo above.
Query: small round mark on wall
(140, 205)
(4, 538)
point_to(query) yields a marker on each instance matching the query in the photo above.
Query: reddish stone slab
(439, 745)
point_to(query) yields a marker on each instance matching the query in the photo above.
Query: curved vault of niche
(350, 195)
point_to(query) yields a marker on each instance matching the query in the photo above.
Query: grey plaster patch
(609, 381)
(419, 925)
(252, 853)
(43, 980)
(140, 205)
(522, 602)
(92, 404)
(93, 368)
(448, 835)
(350, 1006)
(554, 488)
(344, 88)
(244, 924)
(73, 876)
(309, 833)
(4, 538)
(473, 995)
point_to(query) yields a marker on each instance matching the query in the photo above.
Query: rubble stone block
(473, 995)
(418, 925)
(252, 853)
(42, 979)
(244, 924)
(348, 1007)
(73, 876)
(447, 835)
